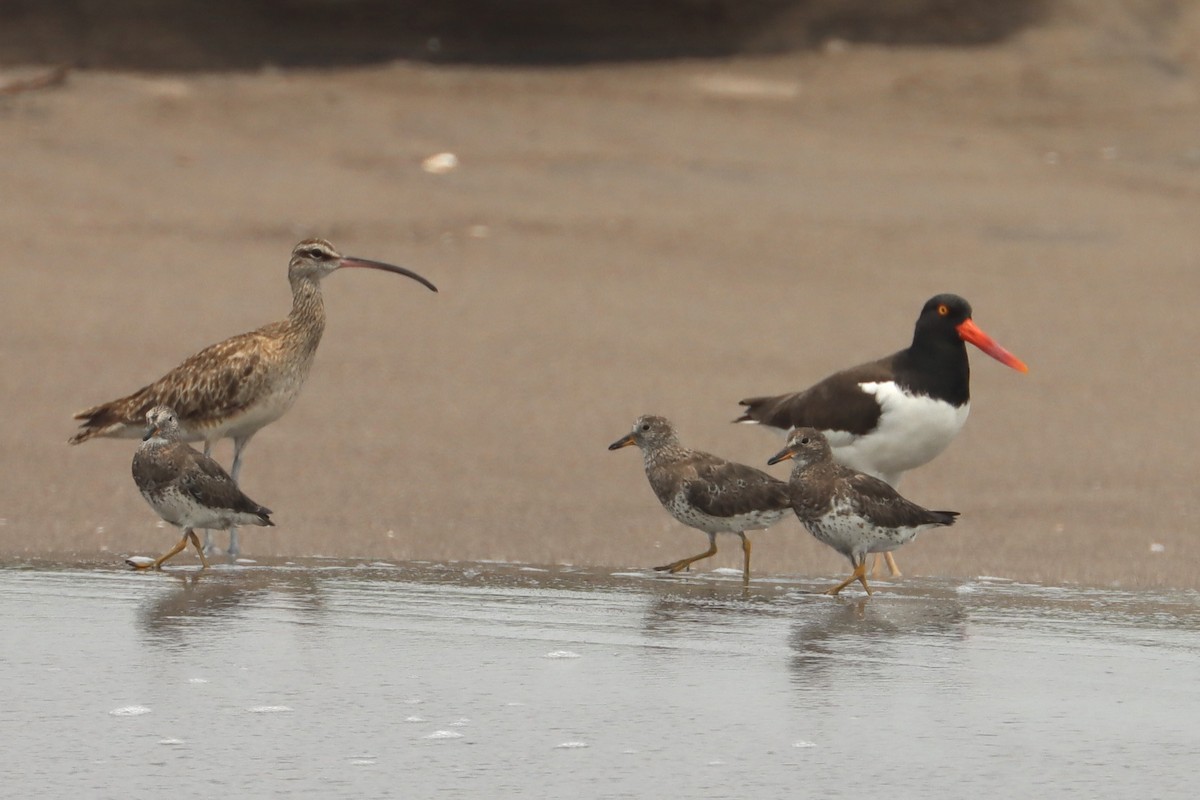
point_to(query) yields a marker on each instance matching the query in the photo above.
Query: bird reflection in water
(203, 599)
(828, 635)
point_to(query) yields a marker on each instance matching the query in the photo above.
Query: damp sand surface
(332, 678)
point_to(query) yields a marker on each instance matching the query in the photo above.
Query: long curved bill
(366, 263)
(968, 331)
(783, 455)
(624, 441)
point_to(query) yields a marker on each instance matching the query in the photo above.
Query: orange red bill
(968, 331)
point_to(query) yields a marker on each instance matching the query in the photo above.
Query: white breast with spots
(847, 532)
(688, 514)
(180, 508)
(912, 430)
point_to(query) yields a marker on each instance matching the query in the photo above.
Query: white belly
(692, 516)
(851, 535)
(246, 424)
(181, 509)
(912, 431)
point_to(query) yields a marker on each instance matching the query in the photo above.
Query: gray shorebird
(234, 388)
(852, 512)
(705, 492)
(896, 413)
(187, 488)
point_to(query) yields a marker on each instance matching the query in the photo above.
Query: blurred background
(629, 207)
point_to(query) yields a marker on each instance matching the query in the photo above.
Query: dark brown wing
(206, 481)
(723, 488)
(882, 505)
(835, 404)
(215, 383)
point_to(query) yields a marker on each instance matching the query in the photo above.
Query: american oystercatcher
(892, 415)
(187, 488)
(706, 492)
(234, 388)
(850, 511)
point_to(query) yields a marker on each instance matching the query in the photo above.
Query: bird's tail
(944, 517)
(754, 411)
(109, 418)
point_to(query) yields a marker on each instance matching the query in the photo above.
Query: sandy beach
(624, 237)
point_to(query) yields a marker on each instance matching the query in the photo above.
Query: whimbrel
(852, 512)
(187, 488)
(899, 412)
(235, 387)
(705, 492)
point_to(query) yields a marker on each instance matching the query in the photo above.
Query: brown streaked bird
(852, 512)
(899, 412)
(187, 488)
(705, 492)
(234, 388)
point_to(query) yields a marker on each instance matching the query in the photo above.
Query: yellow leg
(158, 562)
(191, 534)
(893, 568)
(745, 558)
(859, 574)
(684, 563)
(862, 578)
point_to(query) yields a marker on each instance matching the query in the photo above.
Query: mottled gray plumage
(234, 388)
(703, 491)
(187, 488)
(850, 511)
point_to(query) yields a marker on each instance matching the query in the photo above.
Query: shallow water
(481, 680)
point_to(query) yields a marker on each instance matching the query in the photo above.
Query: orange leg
(684, 563)
(891, 562)
(188, 535)
(158, 562)
(199, 550)
(859, 574)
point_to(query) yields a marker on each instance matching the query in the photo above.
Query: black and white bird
(850, 511)
(187, 488)
(899, 412)
(705, 492)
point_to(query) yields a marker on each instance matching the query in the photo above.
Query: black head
(946, 319)
(943, 314)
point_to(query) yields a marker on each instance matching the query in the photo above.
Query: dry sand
(617, 239)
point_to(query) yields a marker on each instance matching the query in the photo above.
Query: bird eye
(804, 440)
(317, 253)
(943, 310)
(645, 427)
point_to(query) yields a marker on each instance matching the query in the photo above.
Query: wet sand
(322, 679)
(617, 240)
